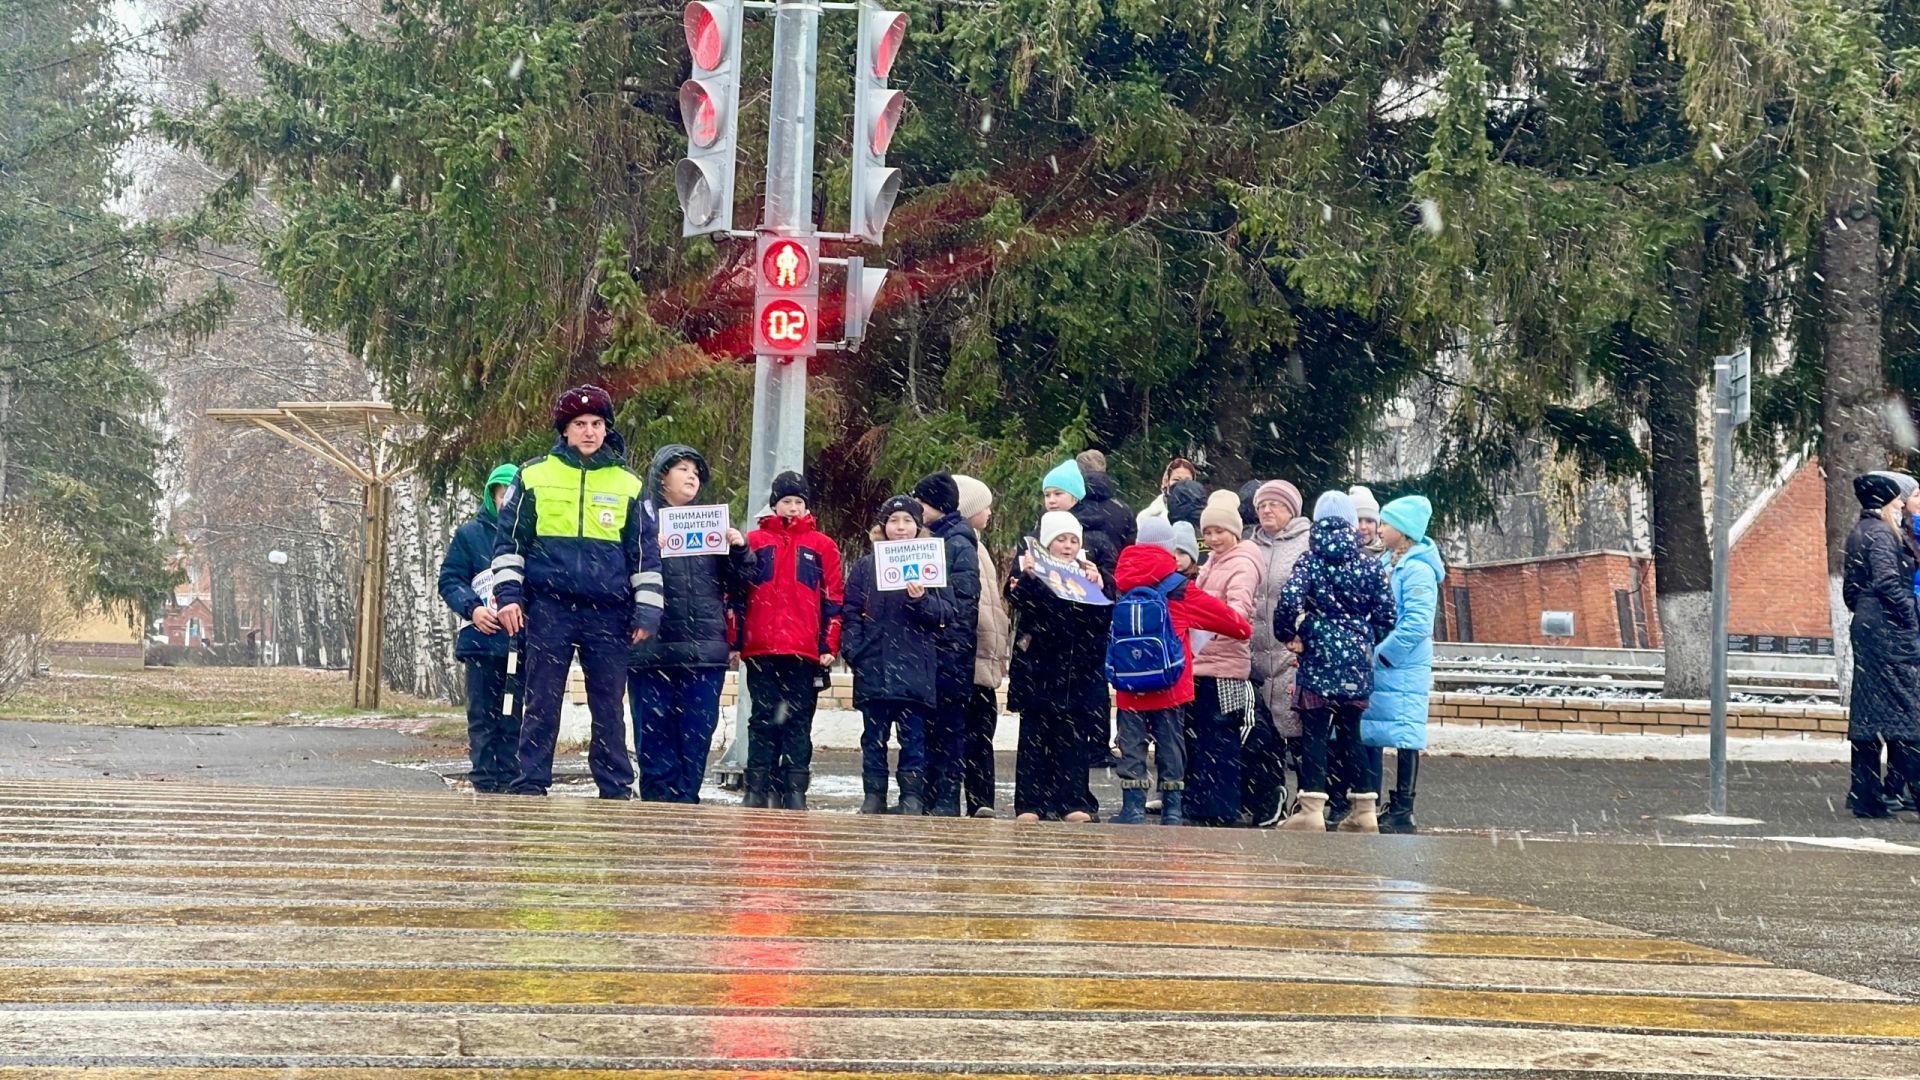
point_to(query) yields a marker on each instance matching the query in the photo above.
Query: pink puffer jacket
(1233, 578)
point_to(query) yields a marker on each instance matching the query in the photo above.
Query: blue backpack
(1144, 655)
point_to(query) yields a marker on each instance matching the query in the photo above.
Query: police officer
(574, 564)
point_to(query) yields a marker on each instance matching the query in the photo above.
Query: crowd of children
(1232, 640)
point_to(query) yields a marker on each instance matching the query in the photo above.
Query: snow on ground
(839, 729)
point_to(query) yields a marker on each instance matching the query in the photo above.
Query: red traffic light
(886, 122)
(785, 325)
(785, 265)
(706, 36)
(700, 112)
(886, 45)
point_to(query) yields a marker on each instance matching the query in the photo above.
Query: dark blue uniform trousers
(674, 713)
(555, 629)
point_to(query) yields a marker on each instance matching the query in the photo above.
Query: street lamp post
(278, 559)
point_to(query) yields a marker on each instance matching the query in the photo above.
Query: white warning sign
(693, 530)
(900, 563)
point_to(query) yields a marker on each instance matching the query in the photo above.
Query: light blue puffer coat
(1403, 664)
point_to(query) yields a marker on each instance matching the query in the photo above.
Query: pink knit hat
(1279, 491)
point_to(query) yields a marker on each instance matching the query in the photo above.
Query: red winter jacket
(794, 589)
(1192, 609)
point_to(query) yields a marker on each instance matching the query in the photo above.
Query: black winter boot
(876, 800)
(1399, 815)
(913, 787)
(797, 781)
(756, 787)
(1866, 798)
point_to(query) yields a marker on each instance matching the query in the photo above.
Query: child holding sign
(1057, 684)
(889, 636)
(674, 678)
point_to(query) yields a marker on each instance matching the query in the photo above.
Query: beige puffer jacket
(994, 635)
(1273, 665)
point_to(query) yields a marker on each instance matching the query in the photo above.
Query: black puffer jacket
(1102, 504)
(1105, 527)
(1185, 500)
(1059, 650)
(463, 573)
(693, 629)
(1878, 589)
(958, 638)
(889, 639)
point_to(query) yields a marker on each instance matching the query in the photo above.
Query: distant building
(1777, 585)
(1594, 599)
(108, 637)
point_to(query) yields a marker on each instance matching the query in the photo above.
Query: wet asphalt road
(1590, 838)
(161, 930)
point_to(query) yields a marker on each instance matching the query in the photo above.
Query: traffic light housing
(786, 295)
(710, 109)
(876, 116)
(863, 292)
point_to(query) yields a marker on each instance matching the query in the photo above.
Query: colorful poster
(1068, 581)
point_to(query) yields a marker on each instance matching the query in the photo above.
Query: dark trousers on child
(883, 718)
(1219, 711)
(1050, 766)
(1168, 728)
(674, 714)
(983, 718)
(1334, 726)
(493, 732)
(946, 740)
(785, 690)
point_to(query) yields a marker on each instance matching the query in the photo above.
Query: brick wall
(1656, 717)
(1777, 574)
(1505, 599)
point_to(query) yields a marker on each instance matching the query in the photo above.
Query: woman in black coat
(1057, 683)
(1885, 634)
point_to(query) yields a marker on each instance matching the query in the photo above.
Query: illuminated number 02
(787, 326)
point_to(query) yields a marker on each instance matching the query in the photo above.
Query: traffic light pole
(780, 383)
(1732, 406)
(1722, 465)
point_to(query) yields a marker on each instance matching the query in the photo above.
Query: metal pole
(780, 386)
(1722, 467)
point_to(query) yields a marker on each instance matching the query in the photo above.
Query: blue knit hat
(1335, 504)
(1066, 476)
(1411, 514)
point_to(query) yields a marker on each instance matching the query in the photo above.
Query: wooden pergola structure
(361, 439)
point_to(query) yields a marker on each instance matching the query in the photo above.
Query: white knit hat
(1055, 522)
(1365, 506)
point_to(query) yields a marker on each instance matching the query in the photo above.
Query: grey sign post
(1732, 406)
